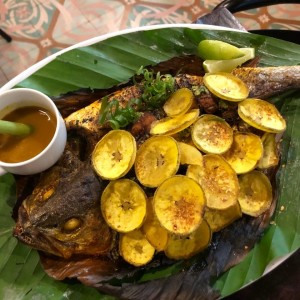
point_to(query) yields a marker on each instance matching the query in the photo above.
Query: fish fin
(104, 274)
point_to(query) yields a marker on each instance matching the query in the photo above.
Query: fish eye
(72, 225)
(47, 194)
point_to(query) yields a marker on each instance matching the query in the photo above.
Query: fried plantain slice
(123, 205)
(189, 155)
(218, 219)
(218, 180)
(255, 195)
(226, 86)
(194, 172)
(270, 155)
(262, 115)
(172, 125)
(185, 247)
(114, 154)
(212, 134)
(153, 231)
(179, 102)
(135, 248)
(157, 159)
(179, 204)
(245, 152)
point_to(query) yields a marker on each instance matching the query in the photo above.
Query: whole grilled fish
(62, 219)
(262, 83)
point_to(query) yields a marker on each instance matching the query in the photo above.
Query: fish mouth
(28, 234)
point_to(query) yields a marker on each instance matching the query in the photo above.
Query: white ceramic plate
(98, 39)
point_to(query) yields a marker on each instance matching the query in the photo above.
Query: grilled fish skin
(266, 82)
(262, 83)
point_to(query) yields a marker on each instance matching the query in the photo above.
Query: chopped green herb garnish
(223, 104)
(199, 89)
(116, 116)
(156, 88)
(155, 91)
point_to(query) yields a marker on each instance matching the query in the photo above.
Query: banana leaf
(114, 60)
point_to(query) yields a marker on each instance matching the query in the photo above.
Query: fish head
(62, 215)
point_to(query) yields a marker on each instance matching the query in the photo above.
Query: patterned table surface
(42, 27)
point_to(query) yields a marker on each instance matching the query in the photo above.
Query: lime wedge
(14, 128)
(228, 65)
(213, 49)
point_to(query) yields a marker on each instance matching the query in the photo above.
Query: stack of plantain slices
(194, 175)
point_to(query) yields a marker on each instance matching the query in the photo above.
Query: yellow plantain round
(189, 155)
(261, 115)
(179, 204)
(226, 86)
(179, 102)
(172, 125)
(185, 247)
(218, 219)
(157, 159)
(135, 248)
(212, 134)
(218, 180)
(245, 152)
(123, 205)
(153, 231)
(114, 154)
(255, 195)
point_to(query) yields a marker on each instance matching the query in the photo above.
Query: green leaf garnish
(199, 89)
(116, 116)
(156, 90)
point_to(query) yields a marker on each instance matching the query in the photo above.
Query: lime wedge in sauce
(14, 128)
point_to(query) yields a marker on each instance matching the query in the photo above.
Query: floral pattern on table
(42, 27)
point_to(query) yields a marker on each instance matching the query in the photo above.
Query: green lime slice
(211, 66)
(14, 128)
(213, 49)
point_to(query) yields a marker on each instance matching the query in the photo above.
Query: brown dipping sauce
(15, 149)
